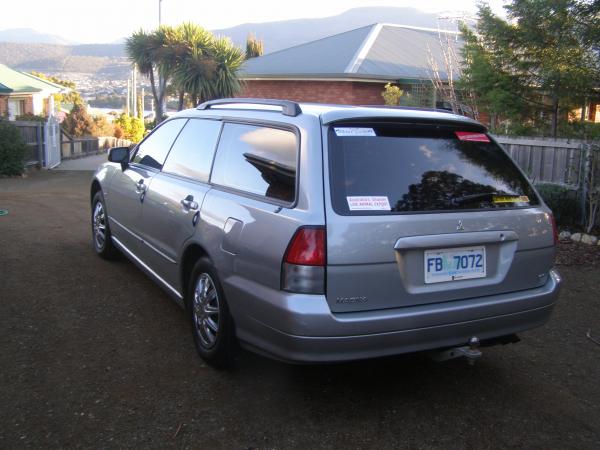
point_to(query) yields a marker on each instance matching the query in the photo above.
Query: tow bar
(471, 352)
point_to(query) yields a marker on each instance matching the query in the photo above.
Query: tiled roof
(377, 52)
(15, 82)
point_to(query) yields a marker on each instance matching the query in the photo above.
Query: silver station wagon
(322, 233)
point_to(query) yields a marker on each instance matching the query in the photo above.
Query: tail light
(303, 269)
(554, 229)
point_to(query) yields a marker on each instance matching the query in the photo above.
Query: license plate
(453, 264)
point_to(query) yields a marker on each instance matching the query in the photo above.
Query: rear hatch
(428, 213)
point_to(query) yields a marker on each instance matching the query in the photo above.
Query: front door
(172, 207)
(128, 188)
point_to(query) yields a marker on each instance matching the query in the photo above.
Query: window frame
(475, 128)
(139, 144)
(183, 177)
(263, 198)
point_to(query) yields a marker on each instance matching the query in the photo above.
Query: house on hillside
(22, 93)
(353, 67)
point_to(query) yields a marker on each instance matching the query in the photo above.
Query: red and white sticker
(472, 137)
(368, 203)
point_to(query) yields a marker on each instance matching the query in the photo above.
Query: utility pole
(164, 101)
(134, 91)
(128, 96)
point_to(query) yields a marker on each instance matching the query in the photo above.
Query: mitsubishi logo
(460, 226)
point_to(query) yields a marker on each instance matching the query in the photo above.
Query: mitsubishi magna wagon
(322, 233)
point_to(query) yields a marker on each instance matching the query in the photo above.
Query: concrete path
(87, 163)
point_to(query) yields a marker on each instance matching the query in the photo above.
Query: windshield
(390, 168)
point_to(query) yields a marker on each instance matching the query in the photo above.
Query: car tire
(101, 236)
(212, 325)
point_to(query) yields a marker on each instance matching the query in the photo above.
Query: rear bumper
(301, 328)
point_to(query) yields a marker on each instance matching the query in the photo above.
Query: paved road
(89, 163)
(94, 355)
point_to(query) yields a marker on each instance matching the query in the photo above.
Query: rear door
(427, 213)
(173, 203)
(128, 188)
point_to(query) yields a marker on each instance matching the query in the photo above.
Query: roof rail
(288, 108)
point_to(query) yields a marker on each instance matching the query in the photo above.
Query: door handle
(140, 187)
(188, 203)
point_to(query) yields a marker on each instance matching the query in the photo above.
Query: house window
(16, 107)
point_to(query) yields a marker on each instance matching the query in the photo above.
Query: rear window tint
(392, 169)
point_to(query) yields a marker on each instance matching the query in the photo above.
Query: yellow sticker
(513, 199)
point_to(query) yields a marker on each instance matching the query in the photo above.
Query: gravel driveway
(94, 355)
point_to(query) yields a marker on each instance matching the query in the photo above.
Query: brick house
(22, 93)
(351, 67)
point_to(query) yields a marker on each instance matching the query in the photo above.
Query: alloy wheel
(206, 310)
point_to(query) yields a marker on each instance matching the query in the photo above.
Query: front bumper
(301, 328)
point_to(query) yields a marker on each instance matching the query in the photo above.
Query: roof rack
(288, 108)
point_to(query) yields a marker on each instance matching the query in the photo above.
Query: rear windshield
(394, 169)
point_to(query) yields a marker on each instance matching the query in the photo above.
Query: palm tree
(207, 67)
(195, 66)
(229, 60)
(191, 58)
(141, 49)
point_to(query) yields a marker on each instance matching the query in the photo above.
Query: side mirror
(119, 155)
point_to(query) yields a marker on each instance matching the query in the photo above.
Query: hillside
(287, 33)
(30, 36)
(92, 59)
(108, 60)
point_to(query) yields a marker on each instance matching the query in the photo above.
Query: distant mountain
(30, 53)
(287, 33)
(106, 59)
(30, 36)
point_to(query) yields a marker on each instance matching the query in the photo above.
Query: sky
(99, 21)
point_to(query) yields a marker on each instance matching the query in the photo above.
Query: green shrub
(12, 150)
(131, 127)
(31, 118)
(562, 201)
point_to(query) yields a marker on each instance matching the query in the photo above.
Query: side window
(153, 150)
(258, 160)
(193, 151)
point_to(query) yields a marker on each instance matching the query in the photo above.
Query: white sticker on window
(351, 131)
(368, 203)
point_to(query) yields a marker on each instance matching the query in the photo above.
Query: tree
(188, 57)
(140, 107)
(229, 60)
(542, 58)
(145, 50)
(102, 127)
(391, 94)
(78, 122)
(195, 66)
(12, 149)
(129, 127)
(72, 96)
(206, 67)
(254, 46)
